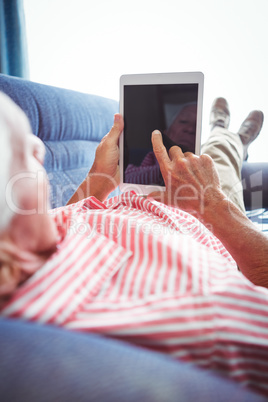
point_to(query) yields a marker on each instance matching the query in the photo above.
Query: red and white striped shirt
(146, 173)
(137, 270)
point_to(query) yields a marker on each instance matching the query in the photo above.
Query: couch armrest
(45, 363)
(255, 185)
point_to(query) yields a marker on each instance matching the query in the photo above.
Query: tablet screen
(170, 108)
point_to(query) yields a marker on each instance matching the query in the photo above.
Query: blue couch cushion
(58, 114)
(70, 123)
(67, 164)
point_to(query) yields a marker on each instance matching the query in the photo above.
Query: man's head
(26, 230)
(183, 128)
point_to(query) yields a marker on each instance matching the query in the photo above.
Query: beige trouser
(226, 149)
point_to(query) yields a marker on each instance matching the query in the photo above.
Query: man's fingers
(159, 149)
(175, 152)
(117, 128)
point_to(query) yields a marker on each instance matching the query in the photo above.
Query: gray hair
(5, 161)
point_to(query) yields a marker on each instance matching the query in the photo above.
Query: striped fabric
(137, 270)
(148, 172)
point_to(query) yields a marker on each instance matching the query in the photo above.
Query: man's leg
(228, 150)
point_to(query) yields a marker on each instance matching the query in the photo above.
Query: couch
(40, 363)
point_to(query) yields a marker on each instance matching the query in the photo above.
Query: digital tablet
(169, 102)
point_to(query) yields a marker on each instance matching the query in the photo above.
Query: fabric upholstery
(42, 363)
(70, 123)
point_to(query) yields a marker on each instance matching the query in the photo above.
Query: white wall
(87, 44)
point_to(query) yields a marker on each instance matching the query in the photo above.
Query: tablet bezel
(159, 79)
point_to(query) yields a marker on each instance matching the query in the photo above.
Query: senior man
(134, 268)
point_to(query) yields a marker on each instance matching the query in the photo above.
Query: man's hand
(103, 176)
(192, 182)
(107, 153)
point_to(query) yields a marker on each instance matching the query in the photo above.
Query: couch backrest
(70, 123)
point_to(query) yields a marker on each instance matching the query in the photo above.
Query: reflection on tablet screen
(170, 108)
